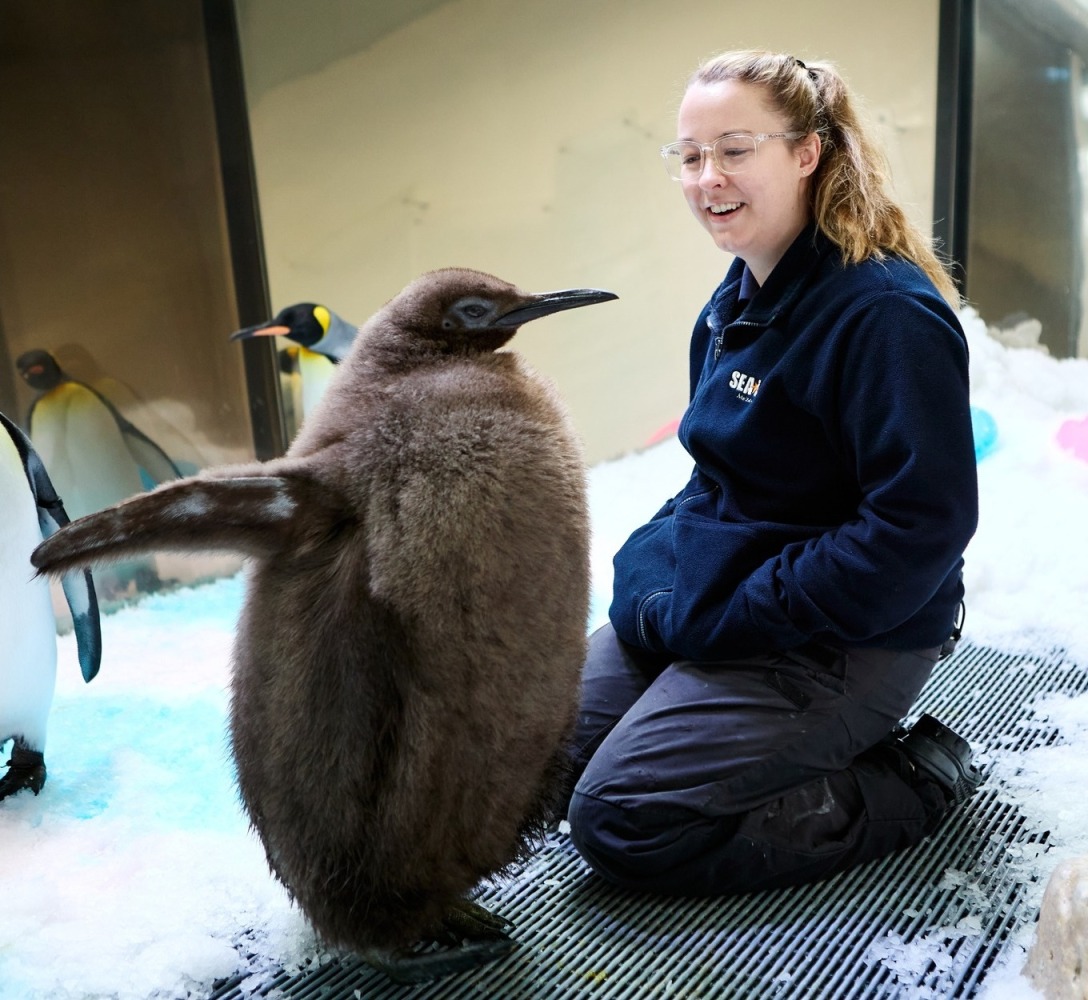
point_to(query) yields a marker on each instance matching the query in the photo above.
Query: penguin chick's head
(39, 369)
(305, 323)
(460, 311)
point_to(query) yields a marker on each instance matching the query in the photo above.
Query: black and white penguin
(323, 340)
(96, 457)
(407, 663)
(28, 651)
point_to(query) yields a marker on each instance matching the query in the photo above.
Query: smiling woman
(832, 169)
(772, 624)
(751, 195)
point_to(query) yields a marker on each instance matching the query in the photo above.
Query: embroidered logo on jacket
(746, 386)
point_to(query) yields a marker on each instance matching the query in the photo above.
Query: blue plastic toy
(984, 428)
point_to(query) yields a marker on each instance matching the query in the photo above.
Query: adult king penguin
(323, 340)
(407, 662)
(95, 455)
(28, 650)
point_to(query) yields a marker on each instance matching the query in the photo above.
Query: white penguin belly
(28, 652)
(83, 450)
(316, 371)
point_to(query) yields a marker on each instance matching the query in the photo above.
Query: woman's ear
(808, 151)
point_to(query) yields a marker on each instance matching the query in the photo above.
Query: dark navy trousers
(710, 778)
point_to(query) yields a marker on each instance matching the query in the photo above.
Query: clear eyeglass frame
(737, 149)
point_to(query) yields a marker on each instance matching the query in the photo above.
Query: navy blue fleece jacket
(834, 488)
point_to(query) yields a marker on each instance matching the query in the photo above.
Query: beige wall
(521, 138)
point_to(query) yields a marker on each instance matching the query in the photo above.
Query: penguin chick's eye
(470, 312)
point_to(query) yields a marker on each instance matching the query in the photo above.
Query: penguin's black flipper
(154, 464)
(82, 601)
(256, 515)
(470, 936)
(78, 586)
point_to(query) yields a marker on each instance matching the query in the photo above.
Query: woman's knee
(637, 845)
(597, 830)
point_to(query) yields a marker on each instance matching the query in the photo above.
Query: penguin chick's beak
(547, 303)
(260, 330)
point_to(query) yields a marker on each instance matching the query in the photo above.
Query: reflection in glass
(116, 295)
(1026, 252)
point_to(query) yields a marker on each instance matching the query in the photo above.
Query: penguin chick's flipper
(469, 936)
(26, 769)
(256, 515)
(78, 586)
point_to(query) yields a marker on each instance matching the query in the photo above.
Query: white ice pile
(1027, 567)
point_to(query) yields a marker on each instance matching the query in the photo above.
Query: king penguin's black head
(460, 311)
(304, 323)
(39, 369)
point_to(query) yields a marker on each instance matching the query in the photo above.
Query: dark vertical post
(8, 403)
(244, 224)
(952, 177)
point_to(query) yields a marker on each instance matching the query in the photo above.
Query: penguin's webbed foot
(466, 920)
(469, 936)
(26, 769)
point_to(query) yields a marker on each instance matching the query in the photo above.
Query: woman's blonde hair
(850, 199)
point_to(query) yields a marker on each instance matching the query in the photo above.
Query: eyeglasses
(731, 154)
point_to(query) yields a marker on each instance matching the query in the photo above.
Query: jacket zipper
(697, 496)
(719, 340)
(642, 616)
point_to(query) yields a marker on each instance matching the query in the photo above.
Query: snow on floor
(134, 874)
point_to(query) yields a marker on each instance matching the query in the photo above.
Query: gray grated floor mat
(954, 900)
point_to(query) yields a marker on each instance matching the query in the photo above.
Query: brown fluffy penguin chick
(407, 662)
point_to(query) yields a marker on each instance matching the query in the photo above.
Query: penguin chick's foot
(26, 769)
(469, 936)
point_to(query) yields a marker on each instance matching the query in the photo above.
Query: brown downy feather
(406, 665)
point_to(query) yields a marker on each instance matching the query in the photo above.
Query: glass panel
(1026, 248)
(114, 261)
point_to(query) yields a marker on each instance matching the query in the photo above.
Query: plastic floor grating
(955, 899)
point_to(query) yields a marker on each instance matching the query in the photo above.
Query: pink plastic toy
(1073, 436)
